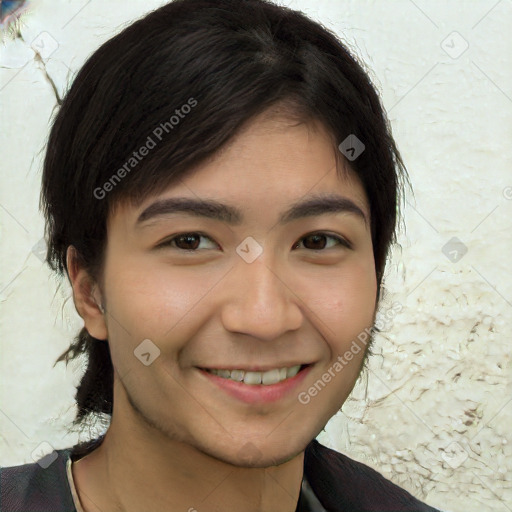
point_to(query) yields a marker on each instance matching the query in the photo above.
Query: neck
(142, 468)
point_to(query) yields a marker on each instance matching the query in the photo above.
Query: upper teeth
(266, 378)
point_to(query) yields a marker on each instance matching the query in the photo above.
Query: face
(252, 287)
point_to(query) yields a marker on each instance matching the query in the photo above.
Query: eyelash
(341, 241)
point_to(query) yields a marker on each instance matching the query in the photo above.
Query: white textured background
(434, 414)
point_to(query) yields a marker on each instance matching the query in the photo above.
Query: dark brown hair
(228, 60)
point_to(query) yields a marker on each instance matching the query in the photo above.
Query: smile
(258, 387)
(266, 378)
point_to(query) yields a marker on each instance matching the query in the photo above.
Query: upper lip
(253, 368)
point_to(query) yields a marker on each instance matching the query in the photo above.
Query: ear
(86, 296)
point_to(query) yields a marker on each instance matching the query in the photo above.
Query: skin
(189, 442)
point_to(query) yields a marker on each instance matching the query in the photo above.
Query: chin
(265, 453)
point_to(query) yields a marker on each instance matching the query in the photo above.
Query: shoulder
(37, 487)
(342, 483)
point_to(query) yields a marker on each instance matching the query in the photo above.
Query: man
(220, 187)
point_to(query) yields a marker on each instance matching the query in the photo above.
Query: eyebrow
(212, 209)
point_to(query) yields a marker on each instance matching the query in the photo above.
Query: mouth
(253, 378)
(258, 387)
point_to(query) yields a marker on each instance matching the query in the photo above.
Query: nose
(260, 303)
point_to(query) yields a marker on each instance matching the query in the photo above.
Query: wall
(433, 409)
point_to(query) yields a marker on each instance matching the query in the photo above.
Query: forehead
(271, 163)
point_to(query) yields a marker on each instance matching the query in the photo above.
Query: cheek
(344, 310)
(359, 290)
(345, 302)
(149, 299)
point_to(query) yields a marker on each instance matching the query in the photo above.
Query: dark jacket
(332, 482)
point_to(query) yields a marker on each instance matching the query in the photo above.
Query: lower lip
(258, 393)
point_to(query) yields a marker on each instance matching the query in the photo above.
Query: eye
(185, 241)
(316, 240)
(190, 241)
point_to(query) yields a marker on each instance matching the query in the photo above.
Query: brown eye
(185, 241)
(317, 241)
